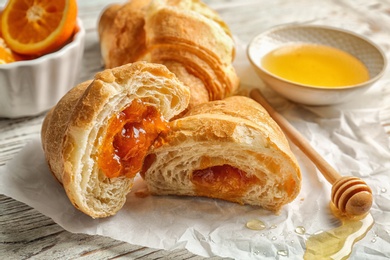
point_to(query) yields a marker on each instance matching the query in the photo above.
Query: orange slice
(1, 15)
(6, 55)
(37, 27)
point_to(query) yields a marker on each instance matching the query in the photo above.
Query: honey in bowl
(315, 65)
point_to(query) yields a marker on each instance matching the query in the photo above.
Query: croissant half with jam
(229, 149)
(185, 35)
(96, 137)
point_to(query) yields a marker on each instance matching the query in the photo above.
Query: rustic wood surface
(26, 233)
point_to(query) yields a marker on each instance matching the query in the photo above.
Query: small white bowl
(358, 46)
(31, 87)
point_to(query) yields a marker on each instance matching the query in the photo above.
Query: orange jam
(129, 136)
(223, 182)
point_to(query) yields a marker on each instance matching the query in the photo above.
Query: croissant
(229, 149)
(185, 35)
(97, 136)
(121, 33)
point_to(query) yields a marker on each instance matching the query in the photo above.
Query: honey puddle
(337, 243)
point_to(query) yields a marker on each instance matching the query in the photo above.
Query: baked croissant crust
(185, 35)
(229, 149)
(97, 136)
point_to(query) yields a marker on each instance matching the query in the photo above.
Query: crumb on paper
(142, 193)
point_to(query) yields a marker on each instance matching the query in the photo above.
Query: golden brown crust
(121, 32)
(73, 131)
(107, 17)
(55, 125)
(186, 33)
(199, 93)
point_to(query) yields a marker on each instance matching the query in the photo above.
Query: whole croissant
(184, 35)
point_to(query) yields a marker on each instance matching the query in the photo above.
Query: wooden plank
(26, 233)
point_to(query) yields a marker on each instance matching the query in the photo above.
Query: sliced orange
(37, 27)
(1, 15)
(6, 55)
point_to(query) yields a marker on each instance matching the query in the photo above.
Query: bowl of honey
(316, 64)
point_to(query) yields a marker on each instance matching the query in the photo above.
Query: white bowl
(360, 47)
(31, 87)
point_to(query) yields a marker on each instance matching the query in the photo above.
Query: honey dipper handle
(330, 174)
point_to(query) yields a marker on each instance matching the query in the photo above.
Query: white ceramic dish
(360, 47)
(31, 87)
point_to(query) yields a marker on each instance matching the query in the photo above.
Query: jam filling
(223, 182)
(129, 136)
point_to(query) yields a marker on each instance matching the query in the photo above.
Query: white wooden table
(26, 233)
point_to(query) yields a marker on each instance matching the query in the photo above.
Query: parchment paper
(349, 137)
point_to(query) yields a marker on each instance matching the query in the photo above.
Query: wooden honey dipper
(350, 195)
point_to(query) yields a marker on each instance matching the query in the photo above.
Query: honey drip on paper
(337, 243)
(255, 224)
